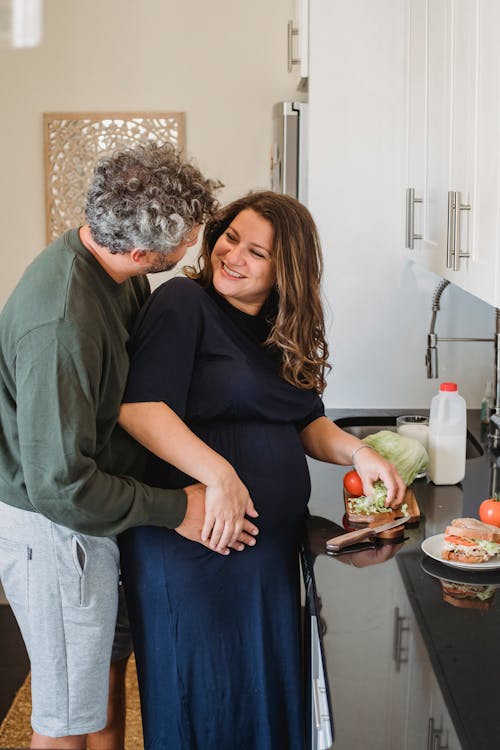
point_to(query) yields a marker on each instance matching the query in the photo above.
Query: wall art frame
(74, 141)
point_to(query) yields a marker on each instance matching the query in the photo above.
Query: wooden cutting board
(357, 521)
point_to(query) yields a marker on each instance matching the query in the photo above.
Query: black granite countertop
(357, 606)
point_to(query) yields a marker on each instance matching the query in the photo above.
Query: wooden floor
(14, 665)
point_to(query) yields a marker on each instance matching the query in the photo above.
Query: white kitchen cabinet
(298, 41)
(418, 714)
(401, 654)
(453, 140)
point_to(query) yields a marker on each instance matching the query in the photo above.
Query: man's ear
(139, 257)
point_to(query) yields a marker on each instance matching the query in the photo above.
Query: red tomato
(353, 484)
(489, 511)
(452, 539)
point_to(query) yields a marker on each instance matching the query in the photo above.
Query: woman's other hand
(326, 441)
(371, 467)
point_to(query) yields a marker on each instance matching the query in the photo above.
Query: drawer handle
(399, 652)
(434, 736)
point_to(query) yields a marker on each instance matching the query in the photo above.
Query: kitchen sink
(363, 426)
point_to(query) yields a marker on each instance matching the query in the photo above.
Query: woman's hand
(371, 466)
(226, 503)
(326, 441)
(194, 520)
(223, 523)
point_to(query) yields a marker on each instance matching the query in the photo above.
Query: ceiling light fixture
(20, 23)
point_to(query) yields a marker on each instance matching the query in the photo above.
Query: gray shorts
(63, 588)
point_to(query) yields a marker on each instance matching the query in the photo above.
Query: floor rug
(15, 730)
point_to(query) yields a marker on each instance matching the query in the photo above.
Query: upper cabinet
(298, 41)
(453, 140)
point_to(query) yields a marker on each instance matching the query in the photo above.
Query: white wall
(380, 303)
(222, 62)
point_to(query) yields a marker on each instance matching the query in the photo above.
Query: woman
(237, 350)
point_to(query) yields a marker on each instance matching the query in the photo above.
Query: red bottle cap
(448, 387)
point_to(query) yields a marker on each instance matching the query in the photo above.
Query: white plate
(433, 545)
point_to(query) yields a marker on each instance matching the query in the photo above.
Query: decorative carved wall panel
(75, 141)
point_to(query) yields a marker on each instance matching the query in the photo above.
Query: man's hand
(193, 523)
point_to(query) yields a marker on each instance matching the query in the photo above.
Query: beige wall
(222, 62)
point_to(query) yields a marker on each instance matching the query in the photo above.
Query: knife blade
(353, 537)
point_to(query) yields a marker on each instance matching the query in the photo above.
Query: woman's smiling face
(243, 263)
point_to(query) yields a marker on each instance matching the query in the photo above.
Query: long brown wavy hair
(298, 328)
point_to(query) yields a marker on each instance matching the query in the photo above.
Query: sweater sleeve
(58, 377)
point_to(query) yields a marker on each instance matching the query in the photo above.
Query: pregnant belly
(269, 459)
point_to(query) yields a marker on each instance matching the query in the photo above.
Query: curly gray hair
(147, 197)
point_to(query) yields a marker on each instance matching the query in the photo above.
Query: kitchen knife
(353, 537)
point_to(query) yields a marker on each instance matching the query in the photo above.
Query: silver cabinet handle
(410, 218)
(399, 652)
(292, 31)
(457, 252)
(434, 736)
(450, 234)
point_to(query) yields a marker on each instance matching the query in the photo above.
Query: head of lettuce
(408, 455)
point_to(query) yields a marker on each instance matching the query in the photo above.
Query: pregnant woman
(237, 350)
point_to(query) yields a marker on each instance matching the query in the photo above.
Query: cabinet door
(477, 137)
(421, 683)
(453, 139)
(441, 722)
(298, 41)
(400, 674)
(428, 152)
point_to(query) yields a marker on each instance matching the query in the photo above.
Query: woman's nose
(234, 254)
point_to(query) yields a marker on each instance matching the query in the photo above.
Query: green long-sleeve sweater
(63, 367)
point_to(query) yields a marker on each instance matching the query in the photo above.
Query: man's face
(167, 261)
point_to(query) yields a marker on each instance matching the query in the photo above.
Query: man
(67, 470)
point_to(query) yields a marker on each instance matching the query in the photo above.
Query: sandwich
(467, 595)
(468, 540)
(365, 509)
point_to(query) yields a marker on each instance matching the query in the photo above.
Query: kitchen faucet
(431, 359)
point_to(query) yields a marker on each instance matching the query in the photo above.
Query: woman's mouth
(230, 272)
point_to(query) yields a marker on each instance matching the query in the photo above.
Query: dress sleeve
(317, 409)
(164, 345)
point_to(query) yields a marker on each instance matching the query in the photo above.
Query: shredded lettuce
(492, 548)
(374, 504)
(408, 455)
(487, 593)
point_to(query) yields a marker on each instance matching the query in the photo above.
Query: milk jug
(447, 436)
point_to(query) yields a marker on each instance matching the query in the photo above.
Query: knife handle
(345, 540)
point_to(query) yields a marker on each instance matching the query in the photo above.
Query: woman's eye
(230, 237)
(256, 252)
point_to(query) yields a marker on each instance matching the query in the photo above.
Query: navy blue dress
(217, 639)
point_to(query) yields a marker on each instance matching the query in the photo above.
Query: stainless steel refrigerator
(289, 150)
